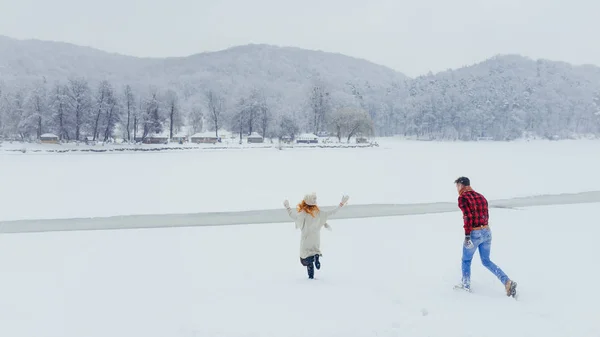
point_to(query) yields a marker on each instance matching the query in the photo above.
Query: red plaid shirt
(475, 209)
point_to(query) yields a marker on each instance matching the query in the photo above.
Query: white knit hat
(311, 199)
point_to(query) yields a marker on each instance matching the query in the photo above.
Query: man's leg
(467, 256)
(484, 252)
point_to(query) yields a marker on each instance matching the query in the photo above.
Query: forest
(506, 97)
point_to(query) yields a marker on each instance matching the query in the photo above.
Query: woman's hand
(344, 200)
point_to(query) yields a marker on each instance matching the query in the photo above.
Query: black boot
(311, 271)
(310, 268)
(317, 263)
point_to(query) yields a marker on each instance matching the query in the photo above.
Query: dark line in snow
(274, 215)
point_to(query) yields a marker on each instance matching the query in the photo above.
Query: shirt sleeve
(463, 204)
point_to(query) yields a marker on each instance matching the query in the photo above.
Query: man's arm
(464, 206)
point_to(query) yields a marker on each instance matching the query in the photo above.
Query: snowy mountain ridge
(28, 60)
(504, 97)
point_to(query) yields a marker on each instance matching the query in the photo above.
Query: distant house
(49, 138)
(157, 139)
(307, 138)
(255, 138)
(204, 138)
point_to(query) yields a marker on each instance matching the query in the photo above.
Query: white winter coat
(310, 238)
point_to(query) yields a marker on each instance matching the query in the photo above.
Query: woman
(310, 220)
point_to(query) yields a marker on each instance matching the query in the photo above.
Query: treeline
(503, 98)
(77, 110)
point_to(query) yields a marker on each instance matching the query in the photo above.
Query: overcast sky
(413, 37)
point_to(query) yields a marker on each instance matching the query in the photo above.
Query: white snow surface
(390, 276)
(73, 185)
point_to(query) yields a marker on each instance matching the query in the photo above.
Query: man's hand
(468, 243)
(286, 204)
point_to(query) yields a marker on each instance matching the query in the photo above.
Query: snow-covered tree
(38, 110)
(216, 105)
(320, 105)
(59, 104)
(79, 105)
(196, 119)
(112, 114)
(350, 122)
(152, 119)
(130, 111)
(174, 111)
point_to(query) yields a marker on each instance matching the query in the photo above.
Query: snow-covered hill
(503, 98)
(22, 61)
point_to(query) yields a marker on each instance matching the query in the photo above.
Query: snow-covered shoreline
(23, 148)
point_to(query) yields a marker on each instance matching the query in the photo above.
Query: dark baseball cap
(463, 181)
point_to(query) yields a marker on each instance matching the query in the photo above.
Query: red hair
(310, 209)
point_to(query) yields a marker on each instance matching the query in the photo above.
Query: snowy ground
(389, 277)
(98, 184)
(381, 277)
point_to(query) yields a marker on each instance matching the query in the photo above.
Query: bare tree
(196, 119)
(215, 105)
(16, 113)
(252, 109)
(112, 114)
(136, 119)
(175, 119)
(349, 122)
(38, 106)
(129, 104)
(263, 114)
(60, 104)
(79, 103)
(320, 105)
(239, 119)
(104, 90)
(152, 119)
(288, 127)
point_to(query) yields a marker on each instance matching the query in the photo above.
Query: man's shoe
(511, 288)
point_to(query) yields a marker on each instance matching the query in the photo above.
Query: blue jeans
(481, 239)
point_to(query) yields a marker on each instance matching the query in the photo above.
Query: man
(474, 207)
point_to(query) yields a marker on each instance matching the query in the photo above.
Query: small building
(157, 139)
(307, 138)
(204, 138)
(49, 138)
(255, 138)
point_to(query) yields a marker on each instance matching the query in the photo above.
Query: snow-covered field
(387, 277)
(104, 184)
(380, 277)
